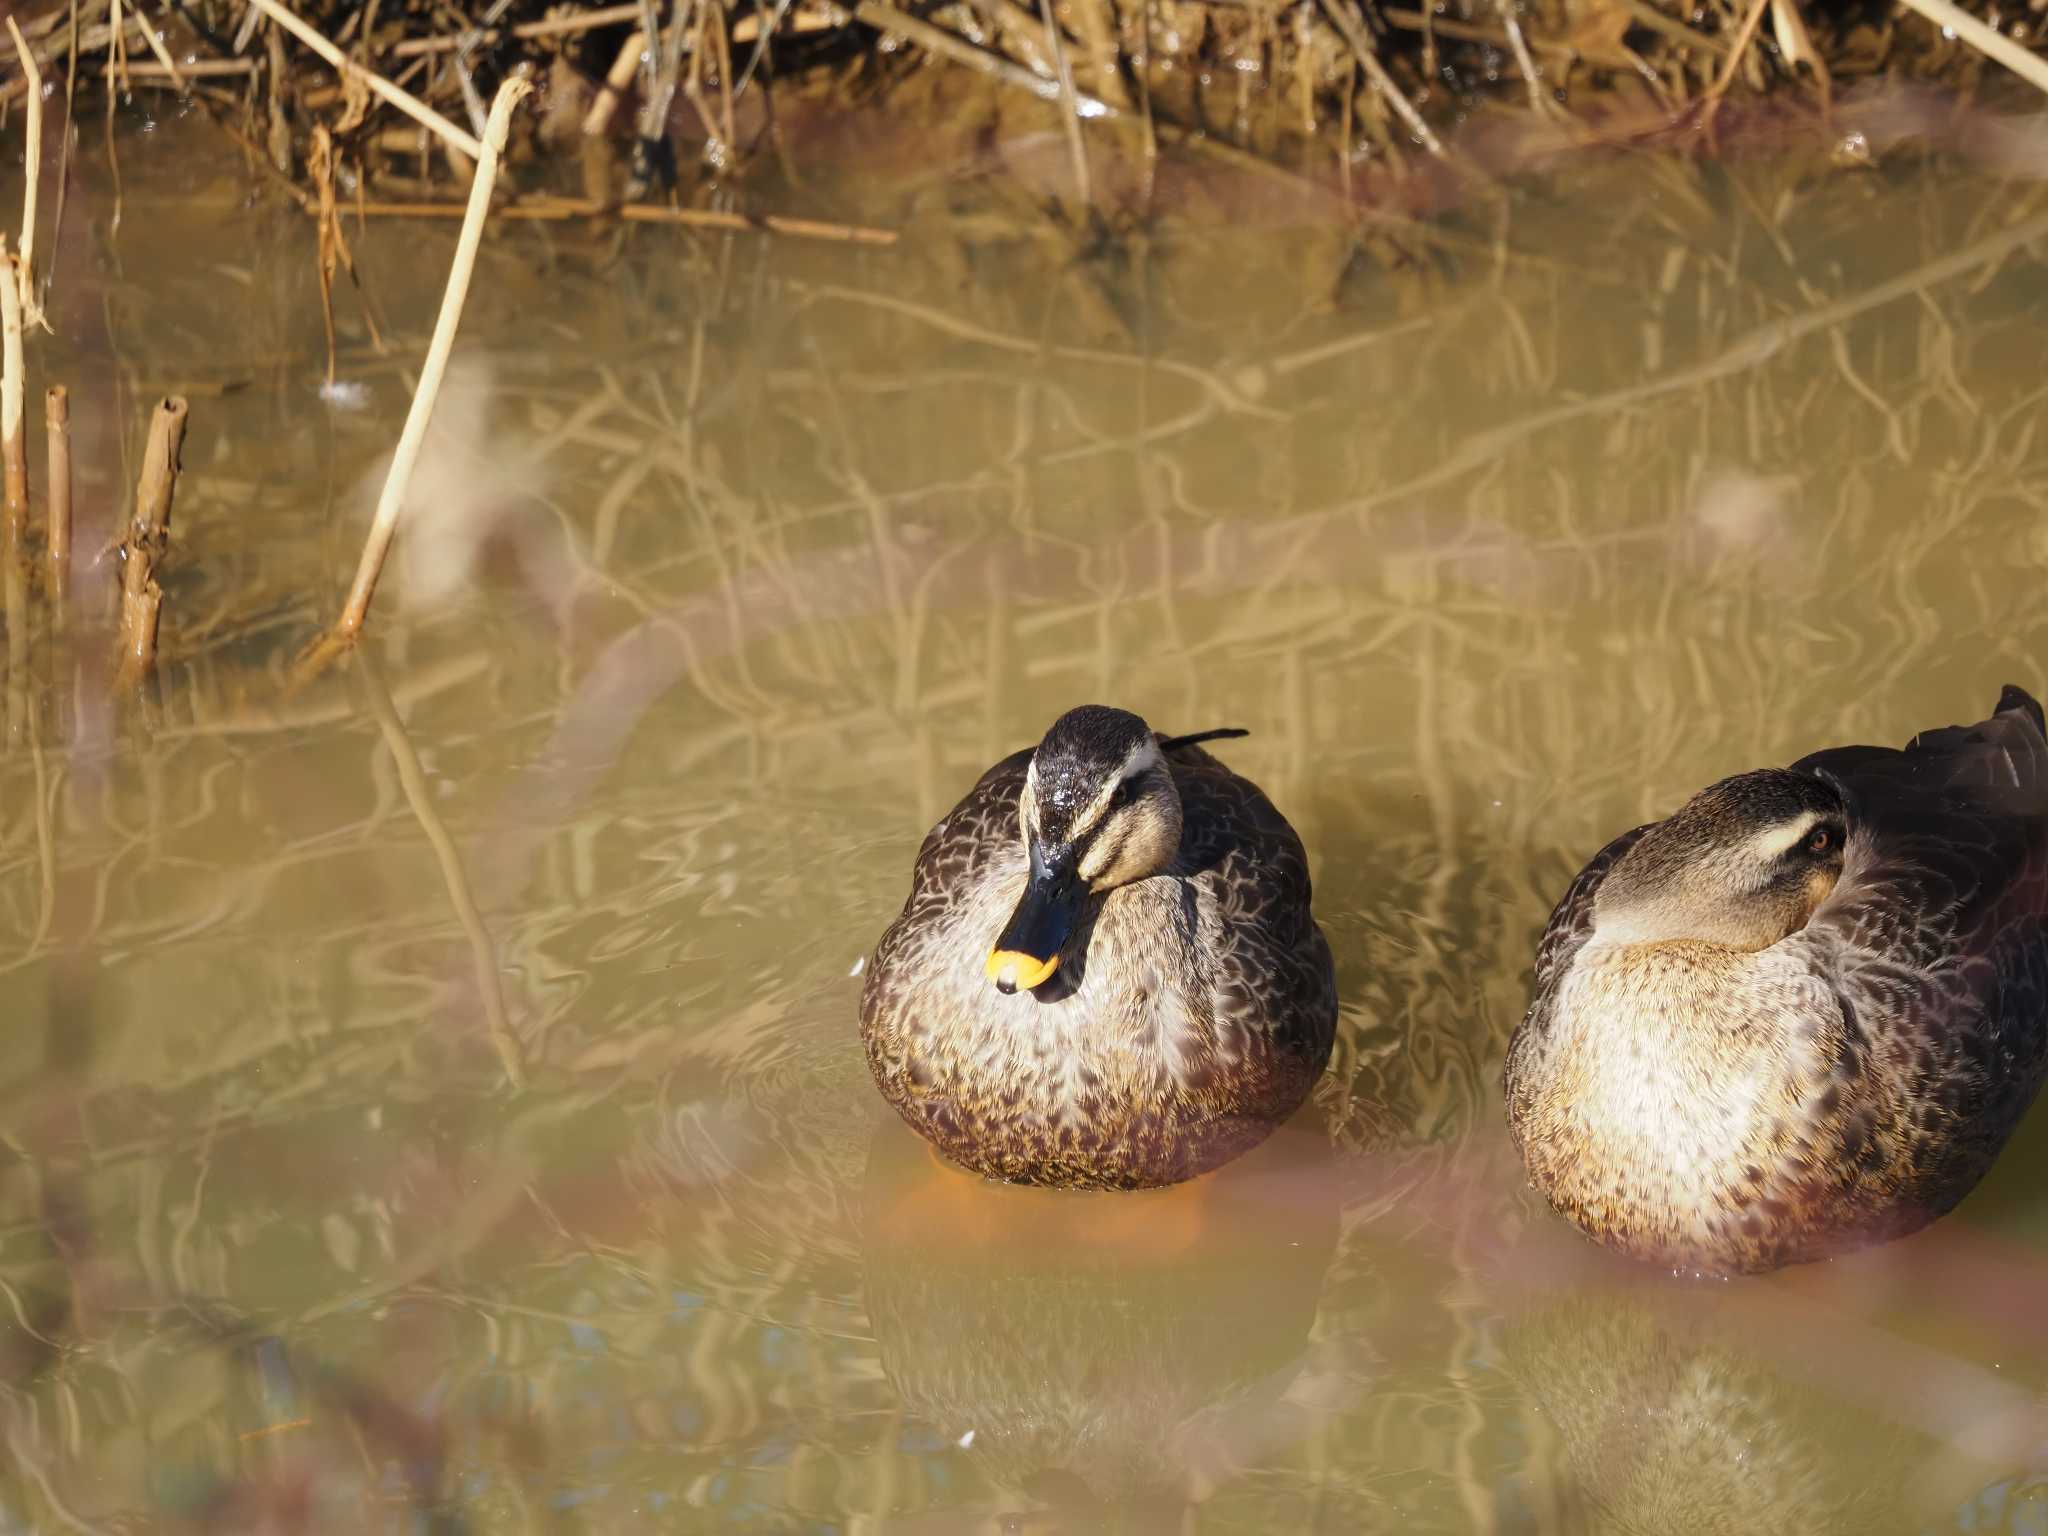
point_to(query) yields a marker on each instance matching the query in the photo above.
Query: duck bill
(1029, 950)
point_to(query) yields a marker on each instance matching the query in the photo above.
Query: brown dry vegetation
(654, 107)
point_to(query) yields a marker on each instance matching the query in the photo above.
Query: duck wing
(1571, 920)
(981, 827)
(1948, 839)
(1935, 945)
(1269, 962)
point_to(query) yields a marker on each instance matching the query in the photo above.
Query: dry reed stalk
(1676, 31)
(43, 25)
(25, 267)
(1143, 72)
(1345, 107)
(1304, 75)
(67, 47)
(65, 137)
(164, 60)
(665, 62)
(1540, 101)
(1726, 78)
(279, 143)
(385, 523)
(13, 451)
(117, 50)
(950, 45)
(400, 143)
(714, 20)
(1084, 194)
(149, 535)
(407, 103)
(331, 248)
(1017, 32)
(1097, 31)
(147, 73)
(552, 208)
(624, 67)
(2030, 67)
(1348, 22)
(1468, 32)
(57, 422)
(554, 26)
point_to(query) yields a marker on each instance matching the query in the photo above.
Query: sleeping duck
(1802, 1013)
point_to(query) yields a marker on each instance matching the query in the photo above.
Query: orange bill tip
(1022, 970)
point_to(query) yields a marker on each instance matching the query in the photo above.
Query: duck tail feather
(1220, 734)
(2016, 700)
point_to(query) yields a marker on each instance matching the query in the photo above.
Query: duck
(1107, 974)
(1801, 1014)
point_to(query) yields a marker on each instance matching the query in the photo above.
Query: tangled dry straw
(645, 111)
(646, 105)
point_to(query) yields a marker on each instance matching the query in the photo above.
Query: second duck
(1803, 1012)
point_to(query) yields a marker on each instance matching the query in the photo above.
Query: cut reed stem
(149, 535)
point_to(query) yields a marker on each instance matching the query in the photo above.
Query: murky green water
(740, 559)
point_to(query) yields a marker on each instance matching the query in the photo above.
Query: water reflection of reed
(814, 544)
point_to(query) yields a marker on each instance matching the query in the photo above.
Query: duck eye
(1820, 840)
(1127, 791)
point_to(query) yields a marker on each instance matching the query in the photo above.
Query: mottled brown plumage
(1193, 1002)
(1751, 1045)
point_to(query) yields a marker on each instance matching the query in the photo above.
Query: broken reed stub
(149, 535)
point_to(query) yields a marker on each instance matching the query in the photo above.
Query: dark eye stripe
(1126, 793)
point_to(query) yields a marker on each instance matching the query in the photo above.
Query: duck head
(1098, 810)
(1743, 864)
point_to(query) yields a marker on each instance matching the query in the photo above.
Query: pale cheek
(1101, 863)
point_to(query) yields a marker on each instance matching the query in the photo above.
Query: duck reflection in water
(1104, 1357)
(1858, 1397)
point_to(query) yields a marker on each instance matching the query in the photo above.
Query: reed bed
(693, 114)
